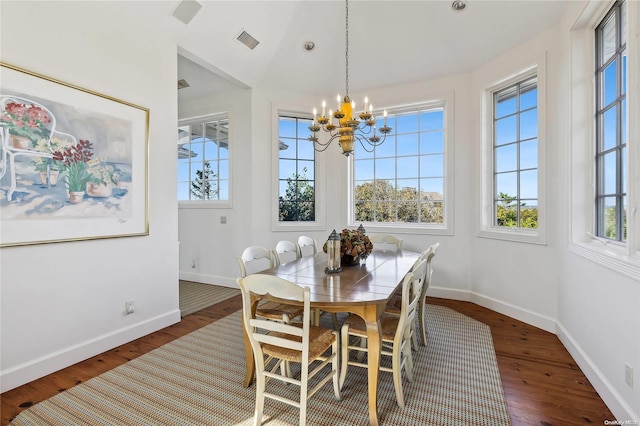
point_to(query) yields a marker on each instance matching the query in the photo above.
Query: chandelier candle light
(347, 127)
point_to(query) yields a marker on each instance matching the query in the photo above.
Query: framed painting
(73, 162)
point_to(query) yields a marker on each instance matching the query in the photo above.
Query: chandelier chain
(350, 126)
(346, 50)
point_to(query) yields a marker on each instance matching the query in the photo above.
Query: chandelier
(344, 124)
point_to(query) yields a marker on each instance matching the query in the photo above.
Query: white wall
(593, 310)
(62, 303)
(204, 240)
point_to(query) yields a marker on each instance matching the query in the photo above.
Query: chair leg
(421, 322)
(414, 332)
(334, 366)
(363, 345)
(344, 356)
(304, 395)
(397, 374)
(260, 384)
(408, 363)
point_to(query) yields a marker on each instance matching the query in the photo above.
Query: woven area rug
(197, 380)
(197, 296)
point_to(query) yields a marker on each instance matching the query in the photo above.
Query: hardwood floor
(542, 383)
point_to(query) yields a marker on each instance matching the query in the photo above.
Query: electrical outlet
(223, 219)
(193, 264)
(628, 375)
(130, 306)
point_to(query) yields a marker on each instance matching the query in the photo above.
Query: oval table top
(374, 280)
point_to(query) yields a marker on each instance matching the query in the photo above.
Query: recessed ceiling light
(458, 5)
(186, 10)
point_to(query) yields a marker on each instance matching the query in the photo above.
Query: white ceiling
(390, 42)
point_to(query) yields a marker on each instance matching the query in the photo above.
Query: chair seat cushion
(320, 339)
(275, 310)
(388, 326)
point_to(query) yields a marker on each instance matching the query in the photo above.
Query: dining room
(519, 230)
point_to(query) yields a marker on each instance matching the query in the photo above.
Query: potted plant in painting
(27, 124)
(55, 166)
(102, 177)
(74, 160)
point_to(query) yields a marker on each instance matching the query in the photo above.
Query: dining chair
(307, 245)
(255, 259)
(394, 305)
(386, 242)
(286, 251)
(421, 317)
(395, 333)
(276, 343)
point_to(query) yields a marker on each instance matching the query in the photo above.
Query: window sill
(610, 256)
(204, 204)
(405, 228)
(298, 226)
(515, 235)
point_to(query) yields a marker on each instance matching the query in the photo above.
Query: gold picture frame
(73, 162)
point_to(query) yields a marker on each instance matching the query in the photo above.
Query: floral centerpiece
(354, 244)
(74, 160)
(29, 121)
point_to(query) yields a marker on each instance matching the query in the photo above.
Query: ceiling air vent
(246, 39)
(182, 84)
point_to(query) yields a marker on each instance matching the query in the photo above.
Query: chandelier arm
(364, 146)
(323, 145)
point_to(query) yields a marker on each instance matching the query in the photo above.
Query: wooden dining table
(362, 290)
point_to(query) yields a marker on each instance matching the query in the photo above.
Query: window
(611, 134)
(203, 159)
(403, 181)
(296, 170)
(605, 227)
(515, 155)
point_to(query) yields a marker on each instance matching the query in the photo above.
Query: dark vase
(349, 261)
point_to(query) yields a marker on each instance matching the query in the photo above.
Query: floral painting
(73, 162)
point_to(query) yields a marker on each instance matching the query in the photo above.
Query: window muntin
(515, 154)
(611, 133)
(203, 159)
(296, 171)
(402, 181)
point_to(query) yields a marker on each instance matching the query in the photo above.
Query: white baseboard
(39, 367)
(620, 409)
(611, 397)
(524, 315)
(208, 279)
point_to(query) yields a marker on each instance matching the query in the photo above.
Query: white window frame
(211, 204)
(319, 224)
(624, 258)
(487, 228)
(446, 102)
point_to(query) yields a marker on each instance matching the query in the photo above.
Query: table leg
(248, 354)
(373, 356)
